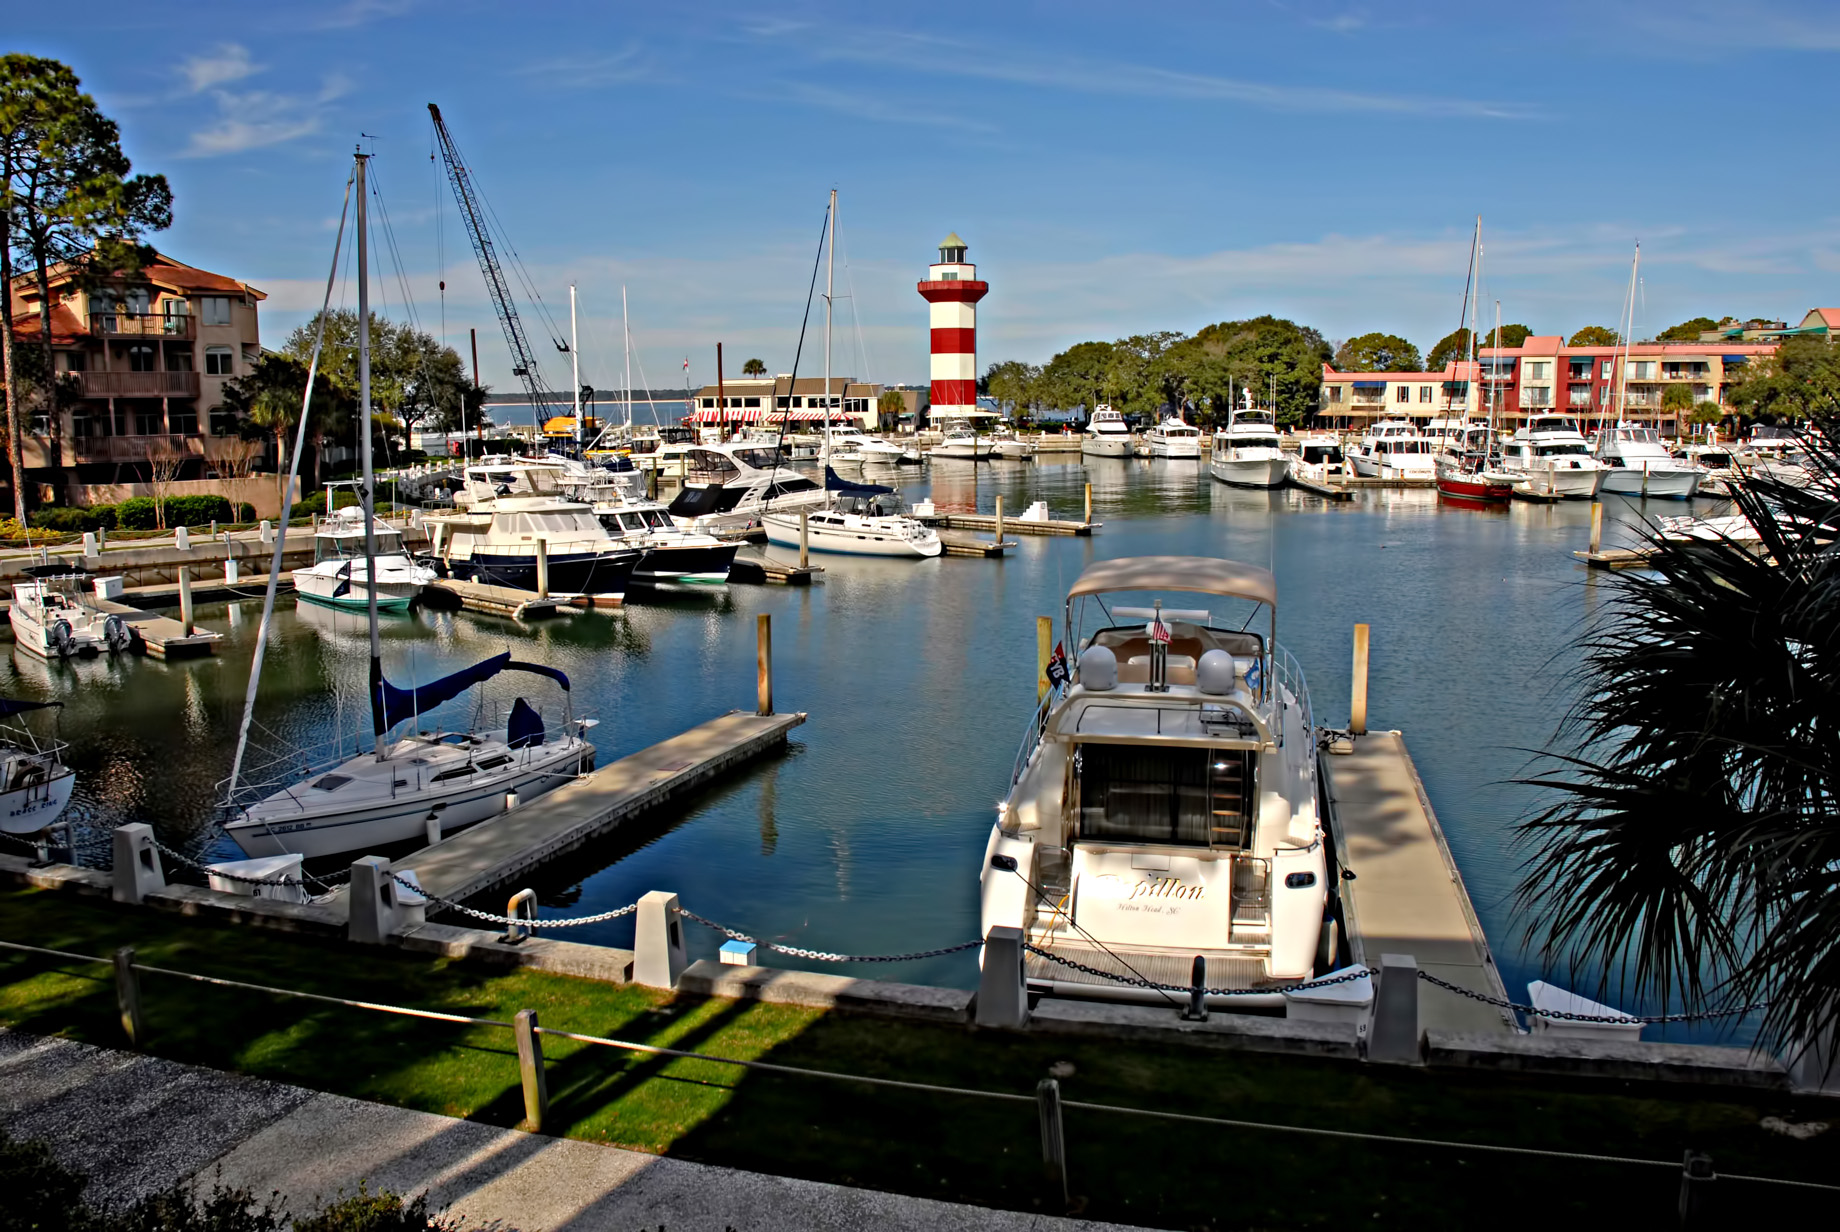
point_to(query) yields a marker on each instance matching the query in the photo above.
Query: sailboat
(1465, 473)
(859, 519)
(422, 785)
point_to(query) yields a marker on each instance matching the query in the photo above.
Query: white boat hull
(1661, 483)
(399, 583)
(966, 452)
(1175, 449)
(317, 833)
(1106, 446)
(783, 530)
(1569, 483)
(1014, 449)
(1251, 472)
(27, 810)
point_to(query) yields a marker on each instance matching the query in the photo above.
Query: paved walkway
(1407, 896)
(138, 1124)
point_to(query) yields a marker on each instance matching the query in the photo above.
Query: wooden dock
(160, 636)
(1534, 496)
(960, 544)
(450, 593)
(1614, 558)
(1407, 896)
(986, 523)
(1321, 489)
(498, 854)
(759, 569)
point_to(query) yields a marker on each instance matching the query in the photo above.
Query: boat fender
(1215, 672)
(62, 640)
(1098, 669)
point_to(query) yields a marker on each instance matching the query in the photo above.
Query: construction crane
(523, 359)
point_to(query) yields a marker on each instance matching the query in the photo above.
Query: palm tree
(1693, 850)
(754, 367)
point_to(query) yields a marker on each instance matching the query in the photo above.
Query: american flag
(1159, 632)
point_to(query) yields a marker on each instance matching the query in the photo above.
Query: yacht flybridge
(1107, 435)
(1164, 805)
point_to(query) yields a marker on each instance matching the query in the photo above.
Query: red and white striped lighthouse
(953, 290)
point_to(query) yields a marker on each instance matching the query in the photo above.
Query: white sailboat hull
(783, 530)
(27, 810)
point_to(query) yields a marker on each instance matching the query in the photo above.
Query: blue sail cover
(835, 483)
(392, 705)
(11, 706)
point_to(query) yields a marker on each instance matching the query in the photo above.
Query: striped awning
(713, 415)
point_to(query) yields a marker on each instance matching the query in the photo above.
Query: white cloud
(630, 63)
(229, 62)
(254, 119)
(1704, 29)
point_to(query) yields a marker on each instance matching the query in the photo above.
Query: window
(1335, 393)
(216, 309)
(948, 277)
(1609, 366)
(1402, 393)
(140, 358)
(1537, 371)
(1644, 370)
(184, 417)
(148, 421)
(223, 421)
(782, 402)
(179, 359)
(750, 402)
(708, 403)
(1424, 393)
(218, 361)
(134, 300)
(72, 361)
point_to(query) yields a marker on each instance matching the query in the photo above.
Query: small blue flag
(1057, 666)
(344, 586)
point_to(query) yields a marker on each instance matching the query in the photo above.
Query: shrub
(136, 513)
(60, 518)
(196, 510)
(41, 1193)
(244, 512)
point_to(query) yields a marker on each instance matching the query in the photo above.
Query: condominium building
(1353, 400)
(749, 399)
(145, 357)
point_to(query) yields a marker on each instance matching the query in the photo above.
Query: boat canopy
(833, 482)
(10, 706)
(398, 704)
(1205, 574)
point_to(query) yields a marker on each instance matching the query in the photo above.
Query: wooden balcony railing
(138, 384)
(143, 325)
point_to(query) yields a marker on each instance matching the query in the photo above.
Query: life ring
(63, 641)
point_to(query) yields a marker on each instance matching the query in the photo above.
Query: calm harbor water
(919, 678)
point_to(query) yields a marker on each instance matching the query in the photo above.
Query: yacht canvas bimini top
(1204, 574)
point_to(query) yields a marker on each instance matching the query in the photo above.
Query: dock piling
(1089, 503)
(542, 567)
(128, 997)
(1357, 704)
(1696, 1178)
(185, 598)
(763, 663)
(1044, 638)
(999, 517)
(1002, 998)
(1597, 527)
(1394, 1035)
(658, 941)
(1053, 1132)
(804, 538)
(530, 1071)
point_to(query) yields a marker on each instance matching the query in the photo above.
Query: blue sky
(1115, 168)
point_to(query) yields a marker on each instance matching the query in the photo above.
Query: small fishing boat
(35, 784)
(52, 618)
(340, 575)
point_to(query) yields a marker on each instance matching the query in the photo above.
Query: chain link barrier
(1138, 982)
(1563, 1016)
(327, 885)
(825, 955)
(531, 922)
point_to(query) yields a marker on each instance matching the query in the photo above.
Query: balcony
(1580, 399)
(1536, 398)
(181, 327)
(137, 448)
(138, 384)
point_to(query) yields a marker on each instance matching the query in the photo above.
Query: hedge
(137, 513)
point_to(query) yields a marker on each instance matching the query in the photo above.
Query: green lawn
(1132, 1169)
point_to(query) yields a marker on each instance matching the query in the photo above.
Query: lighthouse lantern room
(953, 290)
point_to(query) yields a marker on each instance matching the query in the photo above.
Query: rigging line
(793, 382)
(862, 350)
(300, 442)
(520, 271)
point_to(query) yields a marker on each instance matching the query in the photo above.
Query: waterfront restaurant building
(1543, 375)
(146, 356)
(748, 400)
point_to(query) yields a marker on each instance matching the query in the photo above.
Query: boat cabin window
(332, 782)
(447, 776)
(1549, 451)
(699, 502)
(655, 518)
(787, 486)
(765, 458)
(1253, 442)
(884, 504)
(708, 466)
(1192, 797)
(1322, 453)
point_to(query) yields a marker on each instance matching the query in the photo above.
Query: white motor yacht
(1164, 804)
(1174, 438)
(51, 618)
(339, 575)
(1718, 468)
(1247, 453)
(669, 555)
(1318, 458)
(861, 520)
(1004, 443)
(961, 443)
(1550, 455)
(35, 784)
(499, 541)
(1640, 465)
(1107, 435)
(1394, 449)
(728, 487)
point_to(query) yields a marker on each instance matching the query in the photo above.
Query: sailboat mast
(830, 270)
(575, 367)
(368, 488)
(1629, 326)
(626, 335)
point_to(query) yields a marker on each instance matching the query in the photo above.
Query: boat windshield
(1550, 451)
(350, 546)
(1253, 442)
(763, 458)
(1182, 796)
(1322, 453)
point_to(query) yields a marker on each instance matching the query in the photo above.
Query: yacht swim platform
(492, 600)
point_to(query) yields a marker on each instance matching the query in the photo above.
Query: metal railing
(144, 325)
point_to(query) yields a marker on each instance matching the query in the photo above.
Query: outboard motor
(524, 730)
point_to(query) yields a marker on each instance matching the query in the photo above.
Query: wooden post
(1089, 503)
(651, 481)
(804, 539)
(1597, 526)
(185, 598)
(1357, 708)
(128, 997)
(530, 1071)
(1044, 643)
(542, 567)
(763, 664)
(1053, 1135)
(999, 519)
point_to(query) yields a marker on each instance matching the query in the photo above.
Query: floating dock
(1321, 489)
(1406, 896)
(160, 636)
(503, 851)
(759, 569)
(959, 544)
(1614, 558)
(492, 600)
(1534, 496)
(986, 523)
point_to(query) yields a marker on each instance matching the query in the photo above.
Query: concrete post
(1597, 526)
(89, 544)
(182, 538)
(658, 941)
(128, 997)
(804, 539)
(1814, 1067)
(530, 1071)
(268, 532)
(1044, 646)
(1053, 1135)
(213, 530)
(1002, 998)
(1357, 704)
(1394, 1034)
(137, 864)
(376, 910)
(185, 597)
(542, 567)
(763, 663)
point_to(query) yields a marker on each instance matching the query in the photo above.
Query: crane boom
(523, 359)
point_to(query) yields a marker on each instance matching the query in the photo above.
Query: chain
(324, 884)
(508, 921)
(824, 955)
(1562, 1016)
(1359, 973)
